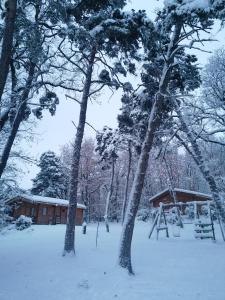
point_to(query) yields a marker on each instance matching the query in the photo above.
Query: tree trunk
(4, 115)
(115, 201)
(108, 199)
(155, 120)
(7, 43)
(17, 121)
(199, 159)
(135, 194)
(127, 181)
(71, 215)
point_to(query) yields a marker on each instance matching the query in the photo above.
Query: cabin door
(57, 215)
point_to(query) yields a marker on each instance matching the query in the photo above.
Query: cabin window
(44, 211)
(32, 211)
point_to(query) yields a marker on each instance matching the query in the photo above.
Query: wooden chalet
(181, 195)
(43, 210)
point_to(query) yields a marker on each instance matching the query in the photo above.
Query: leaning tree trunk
(127, 181)
(17, 121)
(108, 198)
(7, 43)
(155, 120)
(199, 160)
(74, 176)
(135, 194)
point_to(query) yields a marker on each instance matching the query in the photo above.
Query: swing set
(203, 227)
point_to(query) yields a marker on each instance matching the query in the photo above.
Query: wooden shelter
(43, 210)
(181, 195)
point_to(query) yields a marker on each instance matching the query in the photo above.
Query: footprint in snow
(83, 284)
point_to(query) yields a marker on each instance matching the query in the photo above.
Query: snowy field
(31, 266)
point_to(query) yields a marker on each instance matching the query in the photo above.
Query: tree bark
(17, 121)
(7, 43)
(108, 199)
(127, 181)
(155, 120)
(4, 115)
(135, 194)
(69, 245)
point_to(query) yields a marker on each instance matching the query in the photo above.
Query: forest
(169, 134)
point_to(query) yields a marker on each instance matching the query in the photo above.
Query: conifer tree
(51, 180)
(97, 30)
(176, 22)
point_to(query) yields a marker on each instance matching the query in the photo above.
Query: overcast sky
(53, 132)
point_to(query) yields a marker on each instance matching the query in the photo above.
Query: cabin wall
(24, 208)
(79, 216)
(164, 199)
(180, 197)
(45, 213)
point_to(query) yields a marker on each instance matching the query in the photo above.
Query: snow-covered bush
(143, 214)
(172, 217)
(153, 213)
(23, 222)
(189, 212)
(204, 210)
(5, 219)
(214, 214)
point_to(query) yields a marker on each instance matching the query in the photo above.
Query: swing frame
(179, 205)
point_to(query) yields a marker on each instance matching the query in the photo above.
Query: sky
(52, 132)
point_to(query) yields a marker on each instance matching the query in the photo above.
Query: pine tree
(51, 180)
(96, 31)
(29, 60)
(177, 21)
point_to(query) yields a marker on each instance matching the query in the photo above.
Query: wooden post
(153, 225)
(164, 216)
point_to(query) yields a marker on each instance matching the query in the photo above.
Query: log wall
(44, 213)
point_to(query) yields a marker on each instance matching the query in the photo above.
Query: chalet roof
(189, 192)
(41, 199)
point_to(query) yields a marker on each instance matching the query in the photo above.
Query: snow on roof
(47, 200)
(181, 191)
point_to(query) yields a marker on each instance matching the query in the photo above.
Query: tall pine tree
(51, 180)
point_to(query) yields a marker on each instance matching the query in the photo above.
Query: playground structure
(203, 225)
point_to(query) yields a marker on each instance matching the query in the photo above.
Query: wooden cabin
(181, 195)
(43, 210)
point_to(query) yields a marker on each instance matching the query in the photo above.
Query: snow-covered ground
(32, 267)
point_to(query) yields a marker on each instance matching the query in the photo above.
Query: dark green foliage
(51, 181)
(107, 146)
(49, 101)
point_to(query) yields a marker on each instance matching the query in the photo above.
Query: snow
(96, 30)
(48, 200)
(32, 266)
(189, 5)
